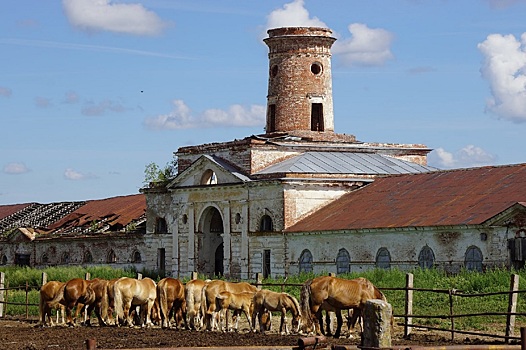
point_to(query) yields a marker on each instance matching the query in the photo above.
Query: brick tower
(300, 81)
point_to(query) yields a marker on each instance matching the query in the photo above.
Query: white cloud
(71, 97)
(469, 156)
(74, 175)
(293, 14)
(97, 109)
(505, 69)
(6, 92)
(181, 117)
(95, 15)
(367, 46)
(15, 168)
(42, 102)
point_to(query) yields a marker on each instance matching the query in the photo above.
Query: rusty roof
(7, 210)
(112, 212)
(455, 197)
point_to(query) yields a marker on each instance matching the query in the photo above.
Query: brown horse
(128, 292)
(336, 294)
(238, 302)
(48, 292)
(171, 298)
(193, 290)
(212, 289)
(274, 301)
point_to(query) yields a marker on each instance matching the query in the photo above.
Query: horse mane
(295, 303)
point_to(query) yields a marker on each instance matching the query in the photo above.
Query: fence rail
(408, 316)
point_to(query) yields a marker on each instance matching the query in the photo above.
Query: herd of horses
(205, 304)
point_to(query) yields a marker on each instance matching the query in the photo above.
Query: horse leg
(339, 320)
(328, 323)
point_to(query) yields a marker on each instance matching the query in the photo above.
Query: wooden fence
(408, 316)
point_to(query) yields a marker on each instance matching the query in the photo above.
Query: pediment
(208, 170)
(514, 215)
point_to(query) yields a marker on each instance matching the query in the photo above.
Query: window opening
(473, 259)
(383, 259)
(87, 258)
(305, 263)
(343, 261)
(136, 257)
(4, 260)
(315, 68)
(316, 119)
(266, 263)
(112, 258)
(266, 224)
(426, 258)
(209, 178)
(216, 222)
(65, 258)
(22, 259)
(44, 259)
(160, 225)
(271, 118)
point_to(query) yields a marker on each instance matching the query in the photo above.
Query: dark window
(342, 261)
(112, 258)
(22, 259)
(45, 259)
(65, 258)
(315, 68)
(160, 225)
(426, 258)
(136, 257)
(4, 260)
(209, 178)
(305, 263)
(87, 258)
(216, 222)
(383, 259)
(266, 263)
(271, 118)
(473, 261)
(266, 224)
(316, 118)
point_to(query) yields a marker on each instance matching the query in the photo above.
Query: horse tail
(163, 303)
(204, 307)
(58, 297)
(378, 294)
(305, 302)
(118, 303)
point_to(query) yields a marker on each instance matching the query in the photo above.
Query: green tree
(154, 174)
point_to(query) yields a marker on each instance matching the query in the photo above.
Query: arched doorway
(210, 243)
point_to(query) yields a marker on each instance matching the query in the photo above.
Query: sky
(92, 91)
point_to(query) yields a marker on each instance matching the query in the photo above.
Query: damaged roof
(455, 197)
(110, 214)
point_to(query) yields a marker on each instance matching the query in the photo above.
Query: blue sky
(91, 91)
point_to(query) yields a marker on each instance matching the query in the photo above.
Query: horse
(171, 299)
(193, 290)
(273, 301)
(238, 302)
(211, 290)
(337, 294)
(47, 293)
(130, 292)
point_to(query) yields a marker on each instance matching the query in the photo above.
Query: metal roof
(345, 163)
(455, 197)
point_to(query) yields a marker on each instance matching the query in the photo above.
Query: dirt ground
(21, 334)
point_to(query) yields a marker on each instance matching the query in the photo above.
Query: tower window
(274, 70)
(271, 127)
(316, 118)
(265, 224)
(315, 68)
(209, 178)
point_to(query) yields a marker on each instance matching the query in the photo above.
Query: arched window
(3, 261)
(112, 258)
(87, 258)
(136, 257)
(342, 261)
(209, 178)
(44, 260)
(266, 225)
(216, 222)
(473, 259)
(383, 259)
(426, 258)
(160, 225)
(65, 258)
(305, 263)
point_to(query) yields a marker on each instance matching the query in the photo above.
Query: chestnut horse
(238, 302)
(48, 292)
(128, 292)
(171, 298)
(212, 289)
(273, 301)
(193, 290)
(336, 294)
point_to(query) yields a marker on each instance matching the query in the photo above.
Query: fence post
(27, 300)
(88, 276)
(2, 292)
(377, 324)
(259, 280)
(451, 313)
(408, 304)
(44, 278)
(139, 276)
(193, 276)
(512, 307)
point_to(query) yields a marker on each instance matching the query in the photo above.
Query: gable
(208, 170)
